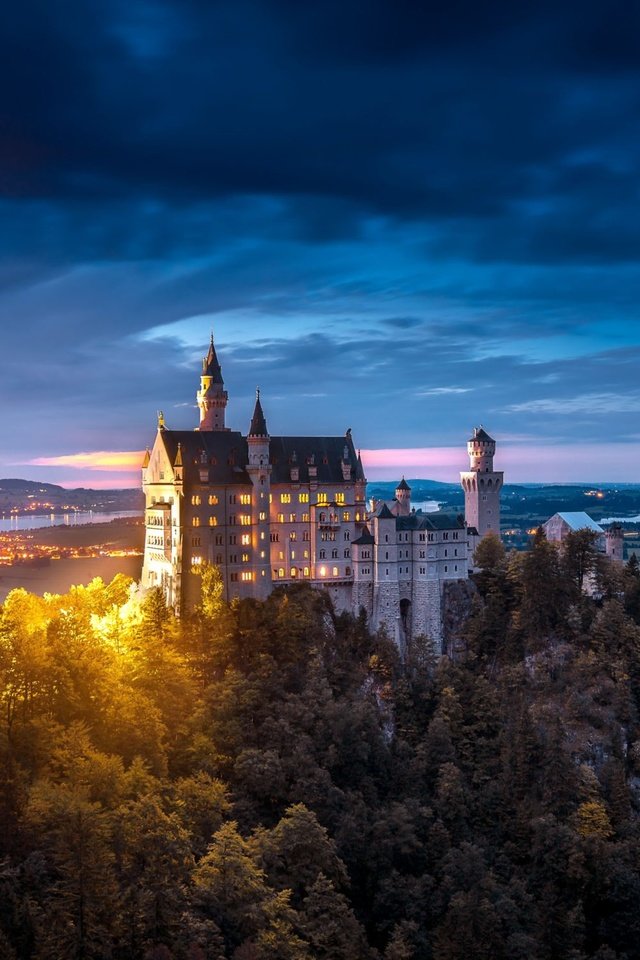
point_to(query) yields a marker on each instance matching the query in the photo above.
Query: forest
(272, 781)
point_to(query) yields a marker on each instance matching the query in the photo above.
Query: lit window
(281, 572)
(196, 521)
(196, 561)
(323, 571)
(245, 498)
(339, 497)
(245, 558)
(293, 535)
(357, 516)
(305, 518)
(303, 498)
(212, 499)
(306, 571)
(335, 571)
(280, 518)
(285, 498)
(270, 498)
(245, 520)
(262, 515)
(247, 575)
(195, 500)
(213, 522)
(321, 498)
(294, 572)
(293, 554)
(346, 516)
(245, 539)
(292, 518)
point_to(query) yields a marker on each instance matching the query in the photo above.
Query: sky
(404, 218)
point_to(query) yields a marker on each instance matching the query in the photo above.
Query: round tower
(212, 397)
(403, 496)
(482, 485)
(614, 542)
(481, 449)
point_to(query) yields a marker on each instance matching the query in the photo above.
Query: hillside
(30, 496)
(269, 781)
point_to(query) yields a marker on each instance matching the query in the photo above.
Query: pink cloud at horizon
(108, 460)
(107, 469)
(521, 462)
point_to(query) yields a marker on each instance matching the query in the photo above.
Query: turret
(403, 497)
(259, 470)
(481, 448)
(482, 485)
(212, 397)
(614, 542)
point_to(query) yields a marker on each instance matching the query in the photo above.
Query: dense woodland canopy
(269, 781)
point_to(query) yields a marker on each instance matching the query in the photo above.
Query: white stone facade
(278, 510)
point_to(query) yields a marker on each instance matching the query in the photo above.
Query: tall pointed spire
(212, 397)
(210, 365)
(258, 426)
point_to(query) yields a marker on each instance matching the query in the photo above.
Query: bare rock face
(457, 603)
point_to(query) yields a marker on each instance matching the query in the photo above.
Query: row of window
(154, 541)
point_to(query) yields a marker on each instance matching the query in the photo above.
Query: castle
(276, 510)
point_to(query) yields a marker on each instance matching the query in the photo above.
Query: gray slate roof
(258, 426)
(430, 521)
(479, 433)
(210, 365)
(366, 537)
(225, 452)
(578, 520)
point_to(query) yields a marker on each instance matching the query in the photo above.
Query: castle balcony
(329, 521)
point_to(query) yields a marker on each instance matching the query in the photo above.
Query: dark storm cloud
(437, 204)
(464, 111)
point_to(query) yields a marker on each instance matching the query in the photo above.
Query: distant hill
(37, 497)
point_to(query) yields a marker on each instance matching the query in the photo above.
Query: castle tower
(212, 397)
(482, 485)
(614, 542)
(403, 496)
(259, 470)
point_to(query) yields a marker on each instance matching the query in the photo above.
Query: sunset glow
(110, 460)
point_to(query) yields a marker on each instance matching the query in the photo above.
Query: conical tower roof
(258, 426)
(210, 365)
(403, 485)
(479, 433)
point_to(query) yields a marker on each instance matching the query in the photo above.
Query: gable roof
(578, 520)
(225, 454)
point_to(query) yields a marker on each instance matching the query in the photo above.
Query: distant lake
(427, 506)
(72, 519)
(620, 519)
